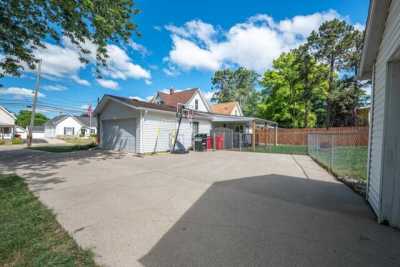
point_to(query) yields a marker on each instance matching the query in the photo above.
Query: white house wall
(159, 130)
(117, 111)
(68, 122)
(202, 105)
(5, 118)
(389, 44)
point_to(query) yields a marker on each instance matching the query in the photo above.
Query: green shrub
(2, 142)
(17, 141)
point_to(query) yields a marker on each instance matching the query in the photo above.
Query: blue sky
(182, 44)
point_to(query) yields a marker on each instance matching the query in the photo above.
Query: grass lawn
(64, 148)
(281, 149)
(30, 234)
(347, 161)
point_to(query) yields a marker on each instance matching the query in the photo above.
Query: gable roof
(8, 112)
(133, 103)
(378, 12)
(173, 98)
(224, 108)
(56, 120)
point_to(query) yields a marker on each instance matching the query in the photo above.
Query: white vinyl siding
(6, 119)
(159, 130)
(201, 105)
(389, 44)
(69, 122)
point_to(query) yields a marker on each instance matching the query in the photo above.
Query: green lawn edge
(30, 234)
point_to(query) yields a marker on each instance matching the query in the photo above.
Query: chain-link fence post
(332, 151)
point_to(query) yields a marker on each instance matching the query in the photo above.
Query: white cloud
(157, 28)
(138, 47)
(55, 87)
(137, 98)
(359, 26)
(63, 62)
(80, 81)
(148, 82)
(19, 92)
(110, 84)
(253, 44)
(208, 95)
(120, 66)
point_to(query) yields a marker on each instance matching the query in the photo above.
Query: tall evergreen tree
(330, 44)
(236, 85)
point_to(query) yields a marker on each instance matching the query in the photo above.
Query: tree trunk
(328, 121)
(306, 111)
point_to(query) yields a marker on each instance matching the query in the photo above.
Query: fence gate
(226, 138)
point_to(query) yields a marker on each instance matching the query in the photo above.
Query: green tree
(350, 93)
(24, 25)
(292, 89)
(313, 77)
(330, 44)
(24, 118)
(236, 85)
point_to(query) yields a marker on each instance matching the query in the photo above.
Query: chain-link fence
(345, 154)
(225, 138)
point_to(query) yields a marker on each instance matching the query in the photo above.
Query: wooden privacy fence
(357, 136)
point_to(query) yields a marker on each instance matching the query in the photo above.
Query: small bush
(17, 141)
(2, 142)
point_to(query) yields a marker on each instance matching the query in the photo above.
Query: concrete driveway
(207, 209)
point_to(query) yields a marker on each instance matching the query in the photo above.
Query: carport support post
(214, 146)
(254, 135)
(240, 141)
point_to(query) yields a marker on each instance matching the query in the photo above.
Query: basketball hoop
(184, 112)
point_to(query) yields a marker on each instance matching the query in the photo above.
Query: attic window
(196, 104)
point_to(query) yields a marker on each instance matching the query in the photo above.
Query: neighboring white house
(7, 124)
(381, 63)
(68, 125)
(141, 127)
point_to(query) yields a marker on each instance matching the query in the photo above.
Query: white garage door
(119, 135)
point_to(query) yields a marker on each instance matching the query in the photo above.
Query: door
(119, 135)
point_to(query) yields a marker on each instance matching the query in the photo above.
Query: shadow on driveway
(276, 220)
(42, 167)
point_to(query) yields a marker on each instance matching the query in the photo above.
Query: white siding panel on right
(389, 44)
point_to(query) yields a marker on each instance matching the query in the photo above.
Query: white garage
(119, 135)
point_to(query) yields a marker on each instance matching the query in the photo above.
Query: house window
(196, 104)
(92, 131)
(69, 130)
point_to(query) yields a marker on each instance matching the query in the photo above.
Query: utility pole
(34, 101)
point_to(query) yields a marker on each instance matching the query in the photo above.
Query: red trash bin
(209, 142)
(219, 140)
